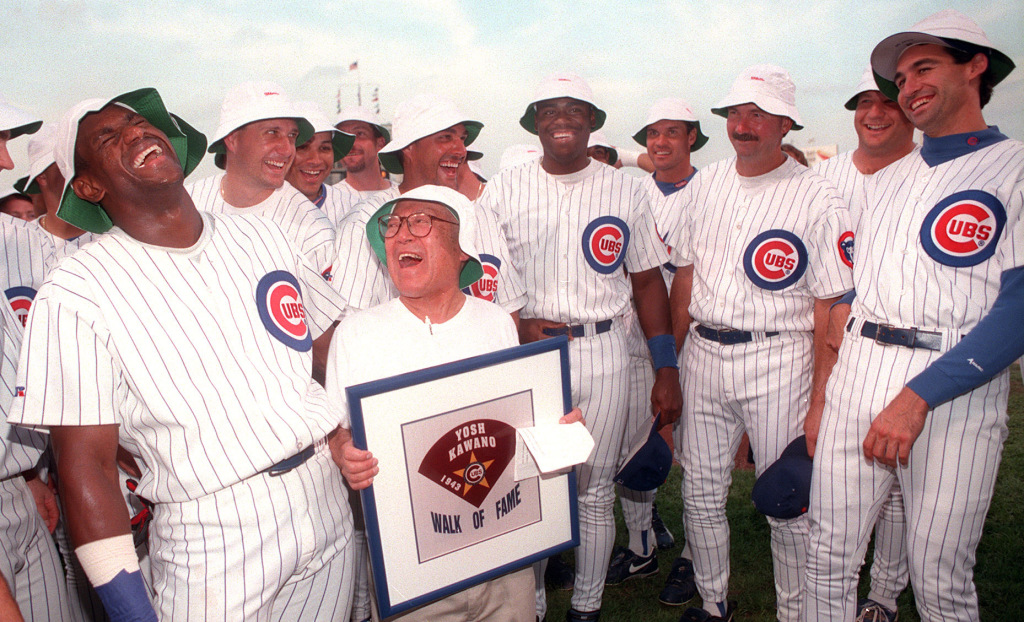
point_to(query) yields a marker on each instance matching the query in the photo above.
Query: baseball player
(760, 262)
(919, 393)
(255, 144)
(363, 178)
(884, 135)
(670, 134)
(315, 159)
(139, 339)
(571, 224)
(30, 562)
(17, 205)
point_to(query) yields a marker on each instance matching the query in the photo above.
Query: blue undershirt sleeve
(995, 343)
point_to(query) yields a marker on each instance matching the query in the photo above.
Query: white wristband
(628, 158)
(103, 559)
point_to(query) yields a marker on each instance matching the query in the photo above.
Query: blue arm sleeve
(125, 598)
(847, 298)
(995, 343)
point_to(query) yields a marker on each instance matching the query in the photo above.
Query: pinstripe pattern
(761, 387)
(24, 261)
(267, 548)
(636, 505)
(363, 280)
(240, 401)
(29, 560)
(342, 198)
(947, 486)
(544, 216)
(309, 228)
(890, 569)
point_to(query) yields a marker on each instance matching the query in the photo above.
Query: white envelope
(553, 448)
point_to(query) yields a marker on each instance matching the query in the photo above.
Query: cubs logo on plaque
(446, 510)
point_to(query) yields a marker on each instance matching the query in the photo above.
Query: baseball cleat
(681, 585)
(626, 565)
(696, 614)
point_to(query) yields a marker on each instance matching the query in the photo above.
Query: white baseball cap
(476, 170)
(17, 121)
(360, 113)
(458, 204)
(518, 154)
(9, 191)
(189, 146)
(598, 139)
(561, 84)
(948, 28)
(341, 141)
(419, 117)
(672, 109)
(254, 101)
(40, 157)
(768, 87)
(867, 83)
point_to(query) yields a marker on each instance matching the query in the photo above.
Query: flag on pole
(353, 66)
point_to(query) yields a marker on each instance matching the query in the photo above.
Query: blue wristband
(663, 351)
(125, 598)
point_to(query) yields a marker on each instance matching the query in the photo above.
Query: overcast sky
(487, 56)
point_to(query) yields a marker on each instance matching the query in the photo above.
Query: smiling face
(312, 165)
(563, 126)
(260, 153)
(936, 93)
(429, 266)
(365, 147)
(668, 145)
(435, 159)
(18, 207)
(757, 136)
(880, 123)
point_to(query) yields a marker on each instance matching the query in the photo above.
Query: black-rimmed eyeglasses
(419, 224)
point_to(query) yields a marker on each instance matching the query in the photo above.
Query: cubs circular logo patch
(486, 287)
(468, 459)
(604, 243)
(845, 245)
(279, 303)
(775, 259)
(21, 301)
(962, 229)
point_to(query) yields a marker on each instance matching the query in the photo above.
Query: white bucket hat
(672, 109)
(189, 145)
(254, 101)
(518, 154)
(341, 141)
(867, 83)
(598, 139)
(418, 118)
(768, 87)
(360, 113)
(562, 84)
(459, 205)
(949, 28)
(40, 157)
(17, 121)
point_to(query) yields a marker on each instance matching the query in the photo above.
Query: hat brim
(529, 119)
(189, 146)
(23, 186)
(392, 162)
(723, 111)
(701, 140)
(342, 143)
(471, 272)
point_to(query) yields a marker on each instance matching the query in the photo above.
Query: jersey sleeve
(1011, 245)
(675, 227)
(830, 249)
(67, 375)
(359, 276)
(317, 238)
(510, 294)
(322, 303)
(645, 250)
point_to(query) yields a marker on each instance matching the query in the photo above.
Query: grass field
(999, 573)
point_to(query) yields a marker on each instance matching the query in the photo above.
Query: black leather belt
(907, 337)
(728, 336)
(293, 462)
(579, 330)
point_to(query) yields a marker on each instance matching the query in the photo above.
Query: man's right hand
(532, 329)
(358, 466)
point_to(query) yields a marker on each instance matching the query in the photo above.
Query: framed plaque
(446, 511)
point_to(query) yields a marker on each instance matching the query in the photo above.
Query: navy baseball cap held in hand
(784, 489)
(647, 465)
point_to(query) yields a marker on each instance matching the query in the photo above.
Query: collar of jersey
(322, 197)
(204, 238)
(936, 151)
(669, 187)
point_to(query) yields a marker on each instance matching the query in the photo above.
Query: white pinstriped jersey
(363, 280)
(309, 228)
(56, 248)
(763, 248)
(843, 173)
(201, 355)
(936, 240)
(570, 235)
(24, 264)
(20, 448)
(343, 198)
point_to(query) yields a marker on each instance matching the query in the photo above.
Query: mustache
(744, 137)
